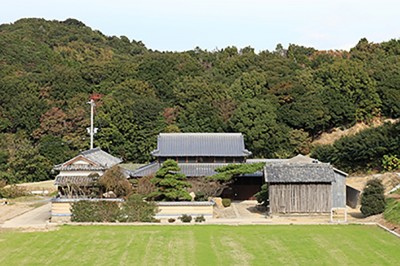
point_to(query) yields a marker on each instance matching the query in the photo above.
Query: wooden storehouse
(304, 187)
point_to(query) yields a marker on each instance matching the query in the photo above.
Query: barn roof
(200, 144)
(299, 173)
(188, 169)
(97, 159)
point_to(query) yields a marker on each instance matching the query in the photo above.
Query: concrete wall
(61, 209)
(176, 209)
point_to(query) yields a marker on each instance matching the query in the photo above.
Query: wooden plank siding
(300, 197)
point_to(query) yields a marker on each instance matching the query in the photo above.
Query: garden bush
(171, 220)
(95, 211)
(226, 202)
(373, 198)
(135, 209)
(262, 196)
(199, 219)
(185, 218)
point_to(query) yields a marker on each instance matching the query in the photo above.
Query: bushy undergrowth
(12, 192)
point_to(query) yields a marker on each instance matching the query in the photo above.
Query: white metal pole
(91, 122)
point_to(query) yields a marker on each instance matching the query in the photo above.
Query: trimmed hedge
(135, 209)
(95, 211)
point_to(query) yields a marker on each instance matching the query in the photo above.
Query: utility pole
(91, 130)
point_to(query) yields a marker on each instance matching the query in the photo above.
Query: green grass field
(202, 245)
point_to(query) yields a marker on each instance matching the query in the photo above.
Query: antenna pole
(92, 104)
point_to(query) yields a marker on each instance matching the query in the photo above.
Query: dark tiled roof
(75, 180)
(299, 173)
(200, 144)
(147, 170)
(189, 169)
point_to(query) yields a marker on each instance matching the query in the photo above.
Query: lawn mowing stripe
(202, 245)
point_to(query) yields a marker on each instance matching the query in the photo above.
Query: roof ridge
(90, 151)
(202, 133)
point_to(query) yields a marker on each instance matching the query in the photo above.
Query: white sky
(178, 25)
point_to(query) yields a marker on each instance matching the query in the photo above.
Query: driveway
(36, 218)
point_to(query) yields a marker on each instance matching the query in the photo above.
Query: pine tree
(171, 185)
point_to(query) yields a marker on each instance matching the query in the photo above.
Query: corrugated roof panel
(201, 144)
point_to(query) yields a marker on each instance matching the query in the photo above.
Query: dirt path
(35, 218)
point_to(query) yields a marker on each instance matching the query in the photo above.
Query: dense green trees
(362, 151)
(280, 100)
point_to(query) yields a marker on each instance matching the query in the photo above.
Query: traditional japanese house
(81, 172)
(199, 154)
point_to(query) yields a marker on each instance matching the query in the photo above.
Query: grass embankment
(202, 245)
(392, 210)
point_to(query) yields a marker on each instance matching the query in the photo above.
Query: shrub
(135, 209)
(262, 196)
(200, 196)
(144, 186)
(226, 202)
(373, 198)
(12, 192)
(171, 220)
(95, 211)
(199, 219)
(185, 218)
(114, 180)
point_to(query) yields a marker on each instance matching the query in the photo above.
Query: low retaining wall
(176, 209)
(61, 209)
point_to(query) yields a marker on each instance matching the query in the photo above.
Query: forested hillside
(280, 100)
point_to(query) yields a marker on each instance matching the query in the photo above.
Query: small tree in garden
(114, 180)
(170, 184)
(135, 209)
(373, 198)
(262, 196)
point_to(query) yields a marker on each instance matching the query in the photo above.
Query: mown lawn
(202, 245)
